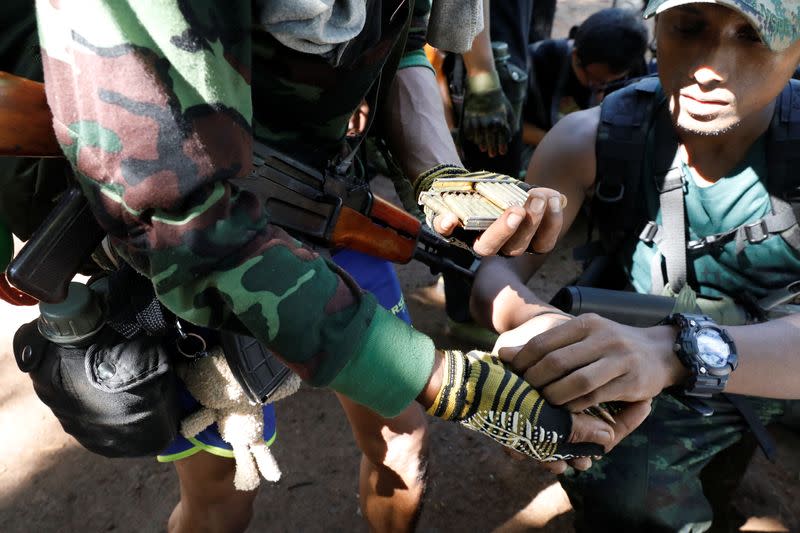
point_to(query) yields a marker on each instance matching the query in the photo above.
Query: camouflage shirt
(155, 105)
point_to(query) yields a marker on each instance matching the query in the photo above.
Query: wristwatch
(706, 350)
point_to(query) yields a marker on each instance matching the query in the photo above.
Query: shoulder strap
(783, 162)
(669, 181)
(625, 119)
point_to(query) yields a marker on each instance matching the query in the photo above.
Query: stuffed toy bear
(240, 421)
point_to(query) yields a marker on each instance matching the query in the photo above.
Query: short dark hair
(616, 37)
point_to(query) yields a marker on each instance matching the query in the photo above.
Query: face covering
(319, 27)
(325, 27)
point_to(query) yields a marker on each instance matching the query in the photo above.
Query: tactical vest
(627, 116)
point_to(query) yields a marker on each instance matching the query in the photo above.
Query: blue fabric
(209, 439)
(376, 276)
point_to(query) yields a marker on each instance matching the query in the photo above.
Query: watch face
(712, 349)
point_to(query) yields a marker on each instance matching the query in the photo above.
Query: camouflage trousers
(676, 472)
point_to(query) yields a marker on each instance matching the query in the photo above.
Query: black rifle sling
(378, 92)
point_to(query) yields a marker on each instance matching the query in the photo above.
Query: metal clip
(706, 242)
(756, 232)
(612, 196)
(649, 232)
(190, 345)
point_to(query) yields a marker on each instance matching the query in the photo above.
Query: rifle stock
(26, 124)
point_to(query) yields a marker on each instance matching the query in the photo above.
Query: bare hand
(534, 226)
(590, 360)
(517, 338)
(586, 428)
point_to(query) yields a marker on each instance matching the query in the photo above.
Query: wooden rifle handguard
(26, 124)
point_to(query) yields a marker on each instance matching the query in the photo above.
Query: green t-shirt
(736, 199)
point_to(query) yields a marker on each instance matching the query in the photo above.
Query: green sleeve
(152, 106)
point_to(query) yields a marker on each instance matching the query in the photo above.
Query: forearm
(155, 150)
(769, 363)
(500, 298)
(431, 389)
(417, 131)
(531, 134)
(768, 367)
(479, 59)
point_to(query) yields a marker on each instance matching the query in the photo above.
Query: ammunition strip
(476, 202)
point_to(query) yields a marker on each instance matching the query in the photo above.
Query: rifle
(322, 207)
(53, 255)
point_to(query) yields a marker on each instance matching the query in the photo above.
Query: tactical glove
(433, 206)
(480, 392)
(488, 119)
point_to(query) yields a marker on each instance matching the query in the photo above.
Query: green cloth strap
(390, 369)
(415, 58)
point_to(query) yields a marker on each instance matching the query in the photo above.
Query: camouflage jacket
(155, 105)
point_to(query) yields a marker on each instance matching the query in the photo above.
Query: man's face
(715, 70)
(595, 76)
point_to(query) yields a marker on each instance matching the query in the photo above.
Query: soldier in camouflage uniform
(722, 65)
(155, 106)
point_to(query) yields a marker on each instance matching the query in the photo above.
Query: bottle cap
(73, 321)
(500, 51)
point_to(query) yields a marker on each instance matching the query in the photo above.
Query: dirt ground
(50, 484)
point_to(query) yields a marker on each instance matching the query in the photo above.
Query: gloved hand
(534, 226)
(481, 393)
(488, 119)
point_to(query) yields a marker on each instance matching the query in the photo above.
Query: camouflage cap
(777, 21)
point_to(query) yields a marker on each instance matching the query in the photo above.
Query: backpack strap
(625, 118)
(783, 163)
(670, 181)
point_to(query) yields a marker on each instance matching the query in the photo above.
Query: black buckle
(609, 198)
(756, 232)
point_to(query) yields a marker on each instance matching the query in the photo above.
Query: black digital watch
(706, 350)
